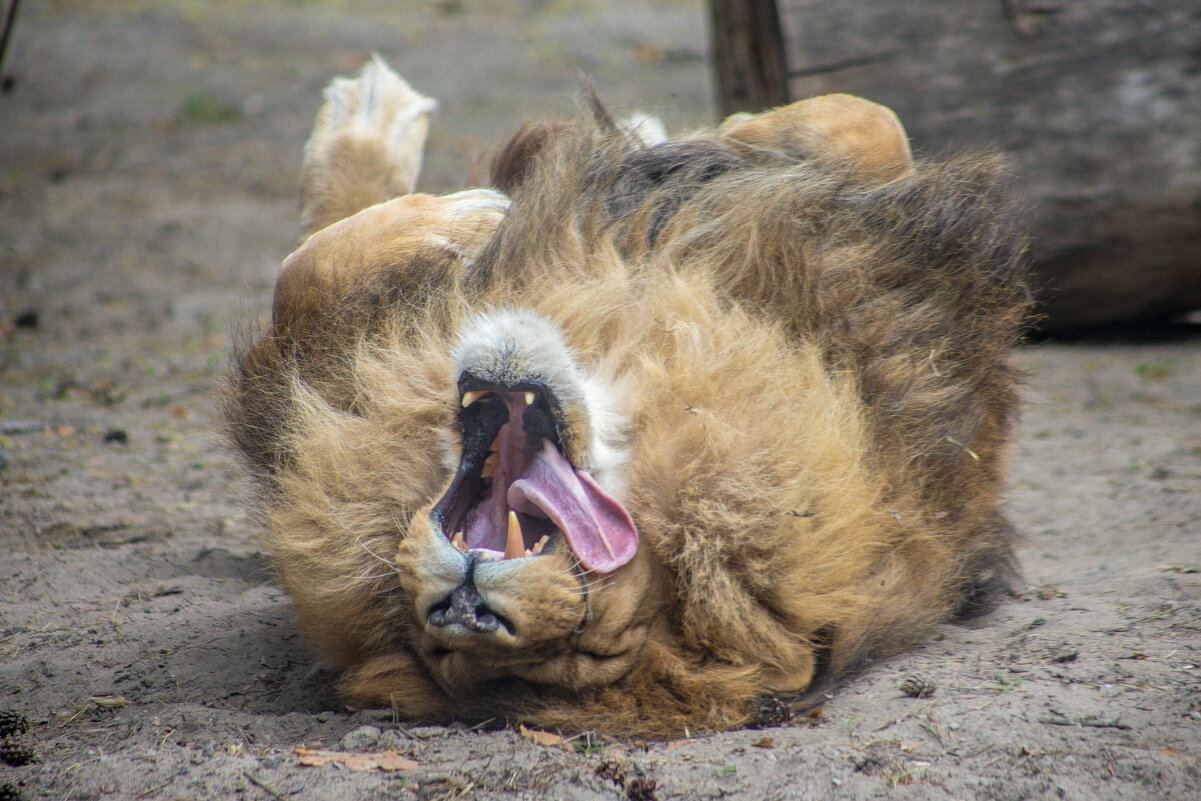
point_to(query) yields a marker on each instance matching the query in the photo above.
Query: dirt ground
(148, 158)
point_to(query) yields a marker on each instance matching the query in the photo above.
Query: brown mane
(812, 363)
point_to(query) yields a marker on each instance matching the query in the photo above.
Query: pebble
(21, 426)
(361, 739)
(385, 715)
(117, 435)
(392, 739)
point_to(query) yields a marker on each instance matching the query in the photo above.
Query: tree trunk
(1097, 102)
(748, 55)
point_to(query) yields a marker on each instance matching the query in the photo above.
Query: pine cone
(10, 792)
(615, 769)
(16, 754)
(774, 711)
(12, 723)
(642, 790)
(916, 686)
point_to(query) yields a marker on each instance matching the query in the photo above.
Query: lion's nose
(466, 607)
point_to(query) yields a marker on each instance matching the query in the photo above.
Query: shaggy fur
(795, 358)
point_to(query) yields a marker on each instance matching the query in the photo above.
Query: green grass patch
(202, 106)
(1155, 371)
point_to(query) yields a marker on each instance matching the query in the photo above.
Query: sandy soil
(148, 155)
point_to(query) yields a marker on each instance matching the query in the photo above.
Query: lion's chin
(537, 620)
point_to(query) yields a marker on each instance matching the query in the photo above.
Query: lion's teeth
(490, 465)
(457, 541)
(471, 396)
(515, 547)
(540, 544)
(529, 399)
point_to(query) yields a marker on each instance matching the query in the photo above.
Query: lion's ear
(844, 127)
(514, 158)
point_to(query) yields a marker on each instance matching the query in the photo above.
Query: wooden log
(748, 55)
(10, 20)
(1097, 102)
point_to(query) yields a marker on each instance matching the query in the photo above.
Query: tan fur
(807, 345)
(830, 126)
(366, 146)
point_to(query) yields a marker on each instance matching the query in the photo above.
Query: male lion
(648, 432)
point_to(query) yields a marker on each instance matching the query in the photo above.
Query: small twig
(932, 727)
(262, 786)
(1096, 724)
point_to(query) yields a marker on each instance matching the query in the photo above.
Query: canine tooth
(529, 398)
(540, 544)
(490, 465)
(471, 396)
(515, 547)
(457, 541)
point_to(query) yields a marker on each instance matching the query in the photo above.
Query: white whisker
(388, 562)
(376, 577)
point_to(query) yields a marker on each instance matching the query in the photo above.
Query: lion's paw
(377, 106)
(366, 145)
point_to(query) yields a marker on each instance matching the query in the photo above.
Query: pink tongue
(597, 527)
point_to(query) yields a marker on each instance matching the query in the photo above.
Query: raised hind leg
(362, 221)
(864, 135)
(365, 148)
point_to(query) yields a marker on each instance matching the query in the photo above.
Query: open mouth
(515, 495)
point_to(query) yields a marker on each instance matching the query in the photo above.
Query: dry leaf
(1175, 568)
(384, 760)
(678, 743)
(649, 54)
(393, 760)
(109, 701)
(765, 742)
(816, 714)
(540, 737)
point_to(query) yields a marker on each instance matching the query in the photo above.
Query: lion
(646, 431)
